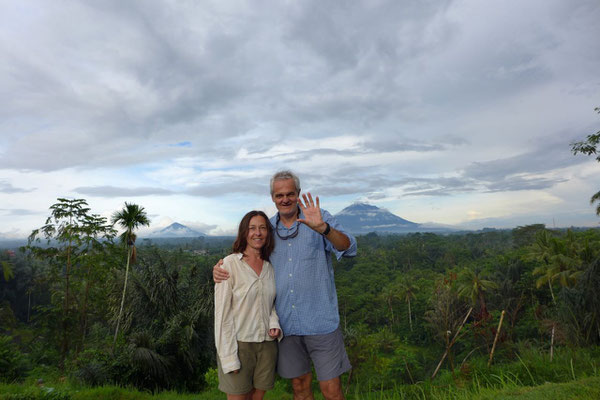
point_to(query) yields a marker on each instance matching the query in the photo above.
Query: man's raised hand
(312, 213)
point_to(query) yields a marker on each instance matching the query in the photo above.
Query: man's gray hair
(283, 175)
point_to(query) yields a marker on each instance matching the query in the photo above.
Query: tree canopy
(590, 147)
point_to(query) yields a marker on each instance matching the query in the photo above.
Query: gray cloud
(200, 227)
(19, 211)
(431, 192)
(168, 82)
(441, 186)
(348, 180)
(335, 189)
(520, 183)
(453, 140)
(367, 147)
(550, 154)
(513, 174)
(152, 72)
(112, 191)
(258, 185)
(6, 187)
(383, 146)
(376, 196)
(397, 35)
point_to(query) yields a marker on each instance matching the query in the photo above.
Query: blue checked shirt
(306, 299)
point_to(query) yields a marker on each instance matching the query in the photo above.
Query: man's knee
(332, 389)
(301, 385)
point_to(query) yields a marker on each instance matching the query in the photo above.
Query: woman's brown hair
(241, 241)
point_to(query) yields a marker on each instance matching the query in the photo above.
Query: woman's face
(257, 232)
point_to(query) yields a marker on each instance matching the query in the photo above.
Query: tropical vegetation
(420, 313)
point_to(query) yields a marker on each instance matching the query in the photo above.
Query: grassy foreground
(583, 389)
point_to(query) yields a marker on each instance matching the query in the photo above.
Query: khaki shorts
(257, 370)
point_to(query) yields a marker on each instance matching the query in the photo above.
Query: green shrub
(92, 367)
(13, 364)
(44, 372)
(211, 377)
(34, 393)
(40, 353)
(93, 374)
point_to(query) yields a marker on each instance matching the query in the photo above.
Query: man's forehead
(284, 185)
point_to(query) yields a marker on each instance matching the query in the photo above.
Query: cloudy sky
(454, 112)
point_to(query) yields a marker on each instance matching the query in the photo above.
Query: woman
(246, 324)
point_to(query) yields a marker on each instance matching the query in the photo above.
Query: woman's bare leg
(238, 396)
(256, 394)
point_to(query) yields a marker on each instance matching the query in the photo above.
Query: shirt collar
(282, 226)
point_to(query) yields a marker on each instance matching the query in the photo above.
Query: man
(306, 299)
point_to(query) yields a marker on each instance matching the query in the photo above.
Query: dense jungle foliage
(408, 305)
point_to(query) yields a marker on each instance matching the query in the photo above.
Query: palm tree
(388, 295)
(541, 250)
(470, 284)
(130, 218)
(560, 260)
(408, 292)
(7, 270)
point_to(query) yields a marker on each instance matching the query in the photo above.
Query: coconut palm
(560, 261)
(389, 295)
(472, 285)
(407, 291)
(7, 270)
(541, 250)
(131, 217)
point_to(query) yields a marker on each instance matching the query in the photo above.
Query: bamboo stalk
(348, 381)
(552, 343)
(496, 338)
(408, 370)
(451, 344)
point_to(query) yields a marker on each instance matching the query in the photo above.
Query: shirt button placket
(291, 286)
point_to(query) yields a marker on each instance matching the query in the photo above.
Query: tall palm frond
(472, 285)
(130, 217)
(407, 291)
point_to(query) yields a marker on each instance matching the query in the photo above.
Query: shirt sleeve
(350, 251)
(225, 333)
(274, 322)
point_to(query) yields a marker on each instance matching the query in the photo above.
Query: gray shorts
(327, 353)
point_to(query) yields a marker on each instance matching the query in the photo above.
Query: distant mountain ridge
(176, 230)
(360, 218)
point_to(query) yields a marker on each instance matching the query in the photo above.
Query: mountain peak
(176, 230)
(365, 218)
(176, 225)
(360, 207)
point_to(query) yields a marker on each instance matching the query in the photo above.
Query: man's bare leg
(332, 389)
(301, 386)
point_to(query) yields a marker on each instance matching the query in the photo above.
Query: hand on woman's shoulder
(229, 260)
